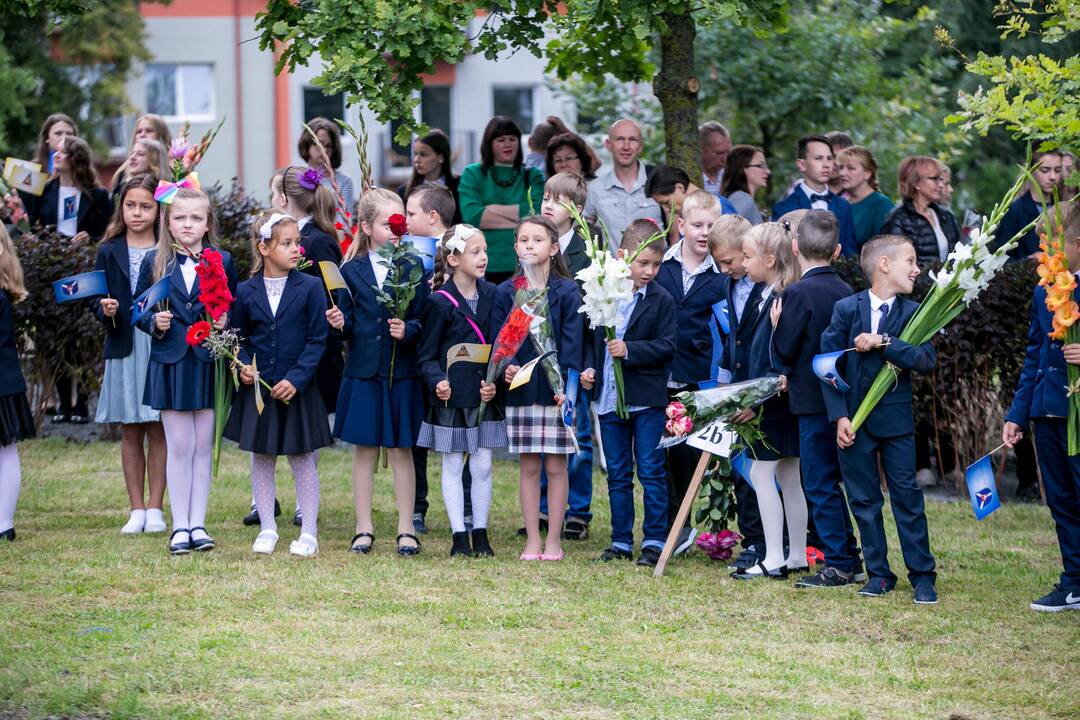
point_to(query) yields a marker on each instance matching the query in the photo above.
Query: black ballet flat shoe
(406, 550)
(61, 418)
(8, 535)
(179, 548)
(480, 545)
(202, 544)
(460, 547)
(252, 518)
(79, 419)
(361, 549)
(780, 573)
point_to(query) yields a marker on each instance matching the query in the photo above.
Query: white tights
(189, 439)
(453, 465)
(263, 489)
(10, 483)
(773, 511)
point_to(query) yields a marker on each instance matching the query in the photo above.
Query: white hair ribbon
(267, 228)
(457, 241)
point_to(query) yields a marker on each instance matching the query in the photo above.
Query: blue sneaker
(875, 587)
(925, 594)
(1057, 600)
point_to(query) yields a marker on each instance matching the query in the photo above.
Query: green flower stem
(620, 392)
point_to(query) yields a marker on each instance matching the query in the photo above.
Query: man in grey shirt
(617, 195)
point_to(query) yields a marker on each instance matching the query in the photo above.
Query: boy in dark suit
(570, 188)
(805, 311)
(870, 322)
(1041, 401)
(645, 342)
(815, 163)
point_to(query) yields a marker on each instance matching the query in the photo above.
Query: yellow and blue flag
(83, 285)
(150, 297)
(467, 352)
(824, 366)
(331, 274)
(982, 489)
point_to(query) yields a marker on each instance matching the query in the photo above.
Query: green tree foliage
(377, 51)
(68, 56)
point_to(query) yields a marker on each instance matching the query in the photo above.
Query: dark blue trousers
(821, 480)
(1061, 481)
(859, 466)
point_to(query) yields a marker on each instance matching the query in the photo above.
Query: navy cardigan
(112, 257)
(445, 325)
(171, 346)
(366, 328)
(290, 344)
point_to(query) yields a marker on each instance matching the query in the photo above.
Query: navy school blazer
(112, 257)
(576, 257)
(650, 348)
(171, 346)
(446, 325)
(851, 318)
(807, 311)
(318, 246)
(693, 350)
(1040, 391)
(289, 345)
(736, 354)
(366, 328)
(95, 208)
(566, 326)
(11, 377)
(838, 206)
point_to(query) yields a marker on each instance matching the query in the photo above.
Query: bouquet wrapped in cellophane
(693, 410)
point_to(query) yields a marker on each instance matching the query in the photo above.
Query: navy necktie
(884, 314)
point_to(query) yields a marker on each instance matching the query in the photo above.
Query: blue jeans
(578, 468)
(627, 441)
(822, 484)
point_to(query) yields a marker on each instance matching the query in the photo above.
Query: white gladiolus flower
(942, 278)
(960, 253)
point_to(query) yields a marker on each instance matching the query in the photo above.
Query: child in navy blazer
(374, 409)
(180, 378)
(534, 424)
(280, 315)
(1041, 401)
(816, 163)
(805, 311)
(645, 343)
(131, 238)
(16, 421)
(691, 277)
(460, 311)
(870, 322)
(768, 258)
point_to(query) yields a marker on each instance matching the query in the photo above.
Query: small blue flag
(741, 464)
(425, 246)
(708, 384)
(151, 297)
(824, 366)
(573, 377)
(83, 285)
(981, 487)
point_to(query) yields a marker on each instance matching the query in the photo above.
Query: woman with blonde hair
(858, 173)
(921, 217)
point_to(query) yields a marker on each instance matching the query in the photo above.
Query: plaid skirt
(538, 429)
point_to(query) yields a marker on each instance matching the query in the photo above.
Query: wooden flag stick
(684, 510)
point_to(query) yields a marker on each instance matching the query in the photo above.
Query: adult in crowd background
(840, 141)
(857, 171)
(920, 216)
(498, 191)
(1029, 206)
(330, 138)
(715, 147)
(746, 172)
(568, 152)
(433, 162)
(617, 196)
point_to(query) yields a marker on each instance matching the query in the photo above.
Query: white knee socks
(10, 484)
(453, 465)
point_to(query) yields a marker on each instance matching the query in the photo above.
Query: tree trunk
(676, 88)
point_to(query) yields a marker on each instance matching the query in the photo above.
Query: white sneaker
(135, 524)
(306, 546)
(265, 542)
(155, 521)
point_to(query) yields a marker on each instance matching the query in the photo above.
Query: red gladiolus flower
(345, 245)
(214, 291)
(512, 335)
(398, 226)
(198, 333)
(339, 226)
(521, 282)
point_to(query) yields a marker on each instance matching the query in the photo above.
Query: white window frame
(179, 82)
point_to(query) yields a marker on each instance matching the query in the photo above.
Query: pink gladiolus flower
(179, 148)
(676, 409)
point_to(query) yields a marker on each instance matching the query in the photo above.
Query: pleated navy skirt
(282, 429)
(16, 420)
(372, 414)
(186, 385)
(781, 430)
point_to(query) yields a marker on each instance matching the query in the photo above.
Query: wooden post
(684, 510)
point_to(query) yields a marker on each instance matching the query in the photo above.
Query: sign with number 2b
(714, 439)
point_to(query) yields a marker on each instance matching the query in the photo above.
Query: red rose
(398, 226)
(521, 282)
(198, 332)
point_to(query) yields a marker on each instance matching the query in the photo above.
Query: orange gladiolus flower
(1065, 281)
(1046, 274)
(1056, 298)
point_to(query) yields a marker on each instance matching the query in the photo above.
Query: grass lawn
(94, 624)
